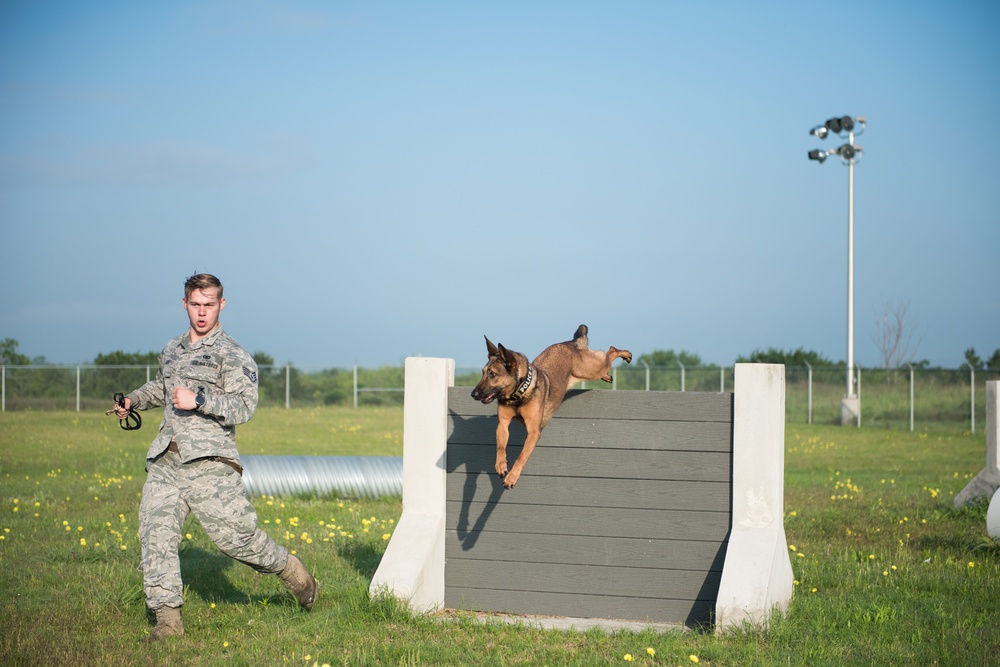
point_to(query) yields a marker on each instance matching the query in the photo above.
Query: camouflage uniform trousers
(214, 492)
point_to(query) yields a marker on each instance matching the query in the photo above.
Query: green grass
(888, 571)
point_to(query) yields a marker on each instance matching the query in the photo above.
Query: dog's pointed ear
(508, 358)
(491, 349)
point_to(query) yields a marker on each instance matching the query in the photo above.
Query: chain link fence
(901, 398)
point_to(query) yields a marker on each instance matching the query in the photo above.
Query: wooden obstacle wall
(623, 511)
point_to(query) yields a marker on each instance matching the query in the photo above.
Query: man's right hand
(122, 412)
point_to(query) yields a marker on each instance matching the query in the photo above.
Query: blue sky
(377, 180)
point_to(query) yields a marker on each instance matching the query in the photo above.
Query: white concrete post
(757, 575)
(412, 568)
(986, 483)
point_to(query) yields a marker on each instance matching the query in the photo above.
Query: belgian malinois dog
(531, 393)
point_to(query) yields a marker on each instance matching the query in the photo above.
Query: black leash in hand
(132, 421)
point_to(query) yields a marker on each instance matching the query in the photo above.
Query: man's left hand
(183, 398)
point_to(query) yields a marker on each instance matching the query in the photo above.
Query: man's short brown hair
(202, 281)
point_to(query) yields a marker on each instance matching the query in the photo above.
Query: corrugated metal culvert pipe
(341, 476)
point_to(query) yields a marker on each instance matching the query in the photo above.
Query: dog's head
(500, 374)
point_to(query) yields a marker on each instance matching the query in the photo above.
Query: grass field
(887, 571)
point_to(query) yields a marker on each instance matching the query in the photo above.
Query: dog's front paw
(502, 467)
(511, 479)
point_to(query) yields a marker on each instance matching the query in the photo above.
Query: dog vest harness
(519, 394)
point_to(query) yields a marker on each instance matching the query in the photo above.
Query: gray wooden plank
(581, 550)
(599, 463)
(692, 613)
(469, 522)
(601, 433)
(597, 404)
(533, 489)
(581, 579)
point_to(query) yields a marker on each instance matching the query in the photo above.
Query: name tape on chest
(207, 361)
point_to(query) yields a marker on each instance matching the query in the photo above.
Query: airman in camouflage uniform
(207, 385)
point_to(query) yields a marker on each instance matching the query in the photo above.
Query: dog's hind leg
(609, 358)
(595, 365)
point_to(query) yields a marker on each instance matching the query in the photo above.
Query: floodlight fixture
(850, 153)
(818, 155)
(820, 131)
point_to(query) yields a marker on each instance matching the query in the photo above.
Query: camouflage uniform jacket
(229, 377)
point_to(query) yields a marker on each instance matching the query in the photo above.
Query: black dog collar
(519, 394)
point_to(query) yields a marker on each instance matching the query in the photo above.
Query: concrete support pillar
(986, 483)
(412, 568)
(850, 410)
(757, 575)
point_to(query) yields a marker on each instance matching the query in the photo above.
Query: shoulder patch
(250, 374)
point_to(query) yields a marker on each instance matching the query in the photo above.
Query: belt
(172, 447)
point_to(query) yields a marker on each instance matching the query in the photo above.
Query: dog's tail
(580, 337)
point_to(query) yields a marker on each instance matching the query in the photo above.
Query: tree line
(116, 372)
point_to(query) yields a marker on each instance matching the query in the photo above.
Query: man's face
(203, 308)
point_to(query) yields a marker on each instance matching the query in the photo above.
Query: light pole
(850, 408)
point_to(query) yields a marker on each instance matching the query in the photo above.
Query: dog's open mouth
(488, 398)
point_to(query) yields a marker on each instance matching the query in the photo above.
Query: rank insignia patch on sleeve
(252, 375)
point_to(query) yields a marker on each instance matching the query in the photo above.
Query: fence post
(682, 375)
(288, 386)
(972, 399)
(647, 375)
(78, 388)
(809, 391)
(858, 368)
(722, 379)
(355, 386)
(3, 389)
(911, 397)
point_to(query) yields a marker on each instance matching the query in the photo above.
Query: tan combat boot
(168, 624)
(298, 580)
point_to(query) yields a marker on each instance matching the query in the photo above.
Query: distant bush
(799, 357)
